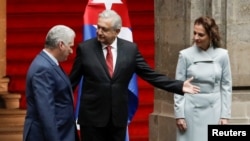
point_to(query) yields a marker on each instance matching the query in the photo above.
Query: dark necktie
(109, 60)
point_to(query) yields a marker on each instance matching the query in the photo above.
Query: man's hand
(189, 88)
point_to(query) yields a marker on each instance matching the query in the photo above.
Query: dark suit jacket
(105, 98)
(50, 112)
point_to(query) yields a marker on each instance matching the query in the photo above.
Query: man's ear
(60, 44)
(117, 31)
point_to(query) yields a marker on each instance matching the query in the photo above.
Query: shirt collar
(113, 45)
(51, 56)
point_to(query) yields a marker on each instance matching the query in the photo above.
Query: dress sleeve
(180, 74)
(226, 88)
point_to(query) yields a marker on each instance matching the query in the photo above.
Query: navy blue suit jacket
(50, 111)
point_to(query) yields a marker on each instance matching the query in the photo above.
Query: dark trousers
(107, 133)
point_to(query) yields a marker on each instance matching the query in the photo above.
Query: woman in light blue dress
(209, 64)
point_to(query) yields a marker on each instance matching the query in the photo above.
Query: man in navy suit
(103, 110)
(50, 111)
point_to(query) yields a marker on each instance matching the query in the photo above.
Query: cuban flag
(93, 8)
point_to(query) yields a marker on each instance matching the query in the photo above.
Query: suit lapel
(64, 76)
(59, 71)
(120, 52)
(56, 67)
(100, 56)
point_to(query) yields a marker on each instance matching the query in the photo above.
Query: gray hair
(59, 33)
(116, 19)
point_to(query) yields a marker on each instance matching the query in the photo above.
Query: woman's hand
(223, 121)
(181, 124)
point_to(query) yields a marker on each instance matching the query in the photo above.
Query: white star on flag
(108, 3)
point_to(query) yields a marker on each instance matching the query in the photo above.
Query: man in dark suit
(50, 111)
(103, 110)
